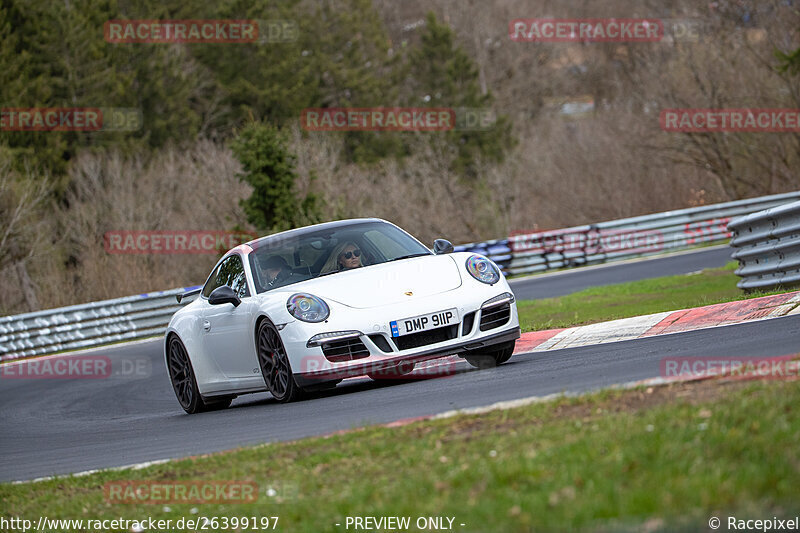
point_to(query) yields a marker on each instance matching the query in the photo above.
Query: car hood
(387, 283)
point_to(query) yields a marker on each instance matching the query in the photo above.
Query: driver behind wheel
(275, 271)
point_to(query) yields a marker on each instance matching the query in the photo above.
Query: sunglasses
(348, 255)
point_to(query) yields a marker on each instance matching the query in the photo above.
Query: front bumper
(357, 368)
(318, 369)
(377, 350)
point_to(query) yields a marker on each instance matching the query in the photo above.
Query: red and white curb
(709, 316)
(637, 327)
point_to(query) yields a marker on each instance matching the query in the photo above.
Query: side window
(231, 273)
(211, 284)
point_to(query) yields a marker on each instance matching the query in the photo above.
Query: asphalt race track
(569, 281)
(53, 426)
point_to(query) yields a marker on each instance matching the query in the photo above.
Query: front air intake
(381, 342)
(346, 350)
(468, 322)
(494, 317)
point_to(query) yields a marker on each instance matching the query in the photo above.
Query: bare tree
(22, 229)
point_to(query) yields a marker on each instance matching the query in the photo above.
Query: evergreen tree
(57, 56)
(269, 167)
(441, 74)
(337, 54)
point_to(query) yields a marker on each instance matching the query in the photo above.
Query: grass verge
(635, 298)
(665, 458)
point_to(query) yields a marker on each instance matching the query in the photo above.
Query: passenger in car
(346, 256)
(350, 257)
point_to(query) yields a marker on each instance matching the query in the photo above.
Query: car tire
(184, 382)
(394, 372)
(492, 356)
(274, 362)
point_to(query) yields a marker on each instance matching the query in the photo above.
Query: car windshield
(279, 261)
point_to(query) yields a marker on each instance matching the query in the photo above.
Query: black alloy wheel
(184, 383)
(274, 362)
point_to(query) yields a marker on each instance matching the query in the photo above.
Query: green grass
(610, 302)
(616, 460)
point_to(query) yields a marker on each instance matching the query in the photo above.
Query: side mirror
(442, 246)
(223, 295)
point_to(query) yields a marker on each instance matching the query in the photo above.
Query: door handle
(206, 325)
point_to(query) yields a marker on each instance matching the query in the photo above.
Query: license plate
(419, 323)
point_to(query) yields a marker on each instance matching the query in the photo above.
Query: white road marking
(137, 466)
(603, 332)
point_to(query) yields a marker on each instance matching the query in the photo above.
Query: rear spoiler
(186, 294)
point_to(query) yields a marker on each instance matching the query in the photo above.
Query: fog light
(500, 299)
(333, 336)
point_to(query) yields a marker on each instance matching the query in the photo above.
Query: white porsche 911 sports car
(303, 309)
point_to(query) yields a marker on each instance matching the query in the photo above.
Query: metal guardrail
(767, 246)
(630, 237)
(146, 315)
(87, 325)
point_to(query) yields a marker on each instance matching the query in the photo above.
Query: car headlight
(307, 307)
(482, 269)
